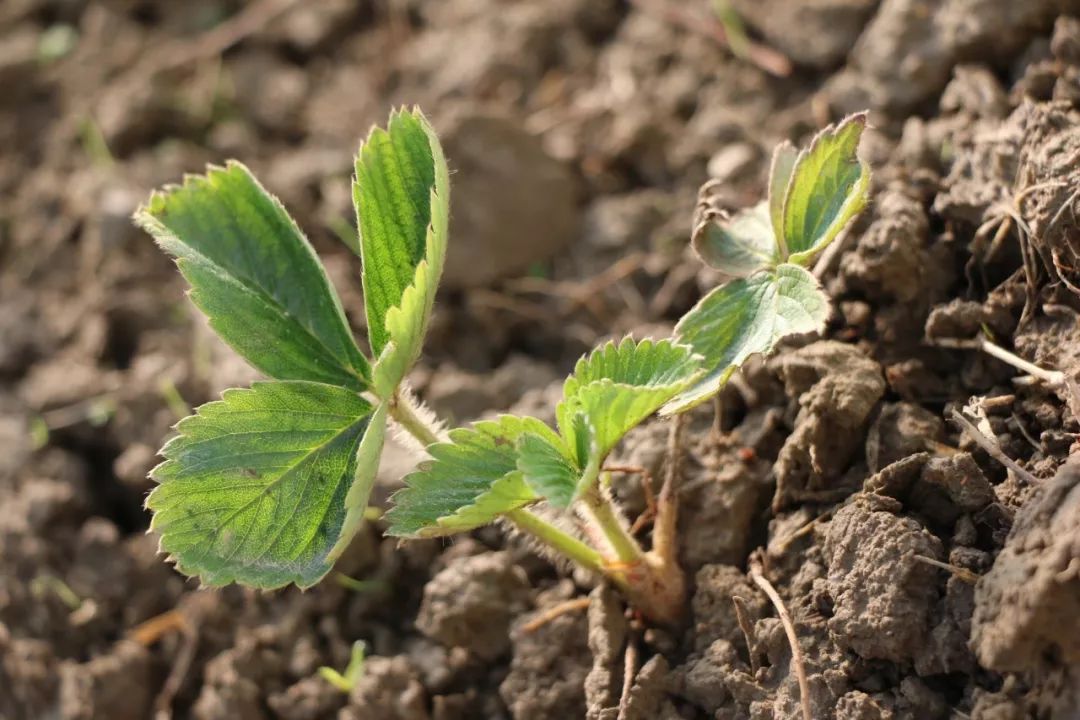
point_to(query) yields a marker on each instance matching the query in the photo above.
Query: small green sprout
(353, 671)
(267, 486)
(813, 195)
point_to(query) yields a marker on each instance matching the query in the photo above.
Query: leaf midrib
(223, 273)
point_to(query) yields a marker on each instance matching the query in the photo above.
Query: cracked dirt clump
(882, 596)
(837, 387)
(1034, 584)
(388, 690)
(549, 664)
(115, 685)
(471, 603)
(607, 641)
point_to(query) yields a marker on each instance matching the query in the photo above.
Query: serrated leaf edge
(220, 579)
(488, 428)
(858, 193)
(677, 408)
(144, 217)
(426, 277)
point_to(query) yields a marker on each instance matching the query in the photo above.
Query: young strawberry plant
(267, 486)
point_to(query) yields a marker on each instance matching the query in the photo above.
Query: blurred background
(578, 132)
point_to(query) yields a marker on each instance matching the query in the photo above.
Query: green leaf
(548, 468)
(739, 246)
(783, 165)
(468, 481)
(256, 277)
(402, 194)
(254, 487)
(367, 466)
(615, 387)
(828, 187)
(744, 317)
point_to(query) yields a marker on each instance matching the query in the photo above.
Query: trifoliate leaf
(745, 317)
(548, 468)
(253, 489)
(402, 195)
(256, 277)
(468, 481)
(615, 387)
(828, 188)
(738, 246)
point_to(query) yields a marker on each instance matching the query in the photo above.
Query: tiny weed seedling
(267, 486)
(345, 682)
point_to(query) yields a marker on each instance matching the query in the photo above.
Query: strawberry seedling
(267, 486)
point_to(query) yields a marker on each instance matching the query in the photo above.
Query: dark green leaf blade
(256, 277)
(738, 246)
(548, 468)
(397, 176)
(468, 481)
(829, 186)
(745, 317)
(253, 488)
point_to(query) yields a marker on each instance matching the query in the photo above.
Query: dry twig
(646, 488)
(991, 447)
(629, 672)
(962, 573)
(793, 639)
(555, 611)
(180, 668)
(667, 505)
(780, 546)
(1056, 379)
(742, 616)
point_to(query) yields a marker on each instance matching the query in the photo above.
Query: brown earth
(579, 131)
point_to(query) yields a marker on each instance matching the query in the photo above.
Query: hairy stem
(604, 515)
(654, 584)
(560, 541)
(403, 409)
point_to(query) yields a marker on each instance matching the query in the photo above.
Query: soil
(579, 132)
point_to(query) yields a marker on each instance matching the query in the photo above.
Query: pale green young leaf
(256, 277)
(738, 246)
(744, 317)
(548, 468)
(468, 481)
(614, 388)
(829, 186)
(783, 164)
(253, 488)
(402, 195)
